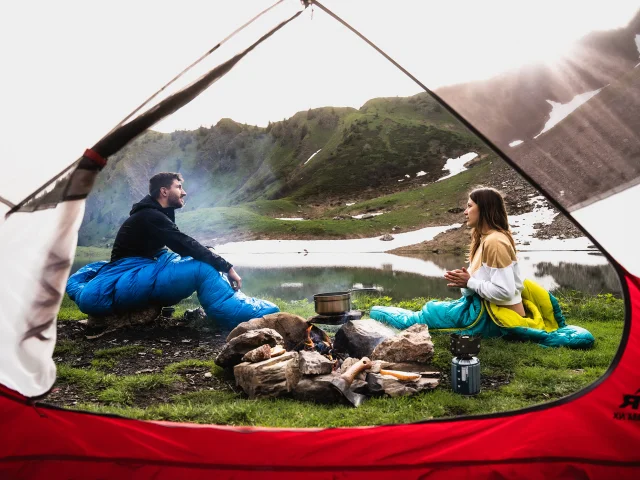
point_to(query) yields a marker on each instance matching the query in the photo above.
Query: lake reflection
(292, 276)
(405, 277)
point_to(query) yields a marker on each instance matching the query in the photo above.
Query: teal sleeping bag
(103, 288)
(544, 322)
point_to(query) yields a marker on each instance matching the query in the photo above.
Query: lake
(294, 276)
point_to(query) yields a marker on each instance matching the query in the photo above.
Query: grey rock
(276, 377)
(313, 363)
(292, 328)
(232, 353)
(411, 345)
(358, 338)
(386, 237)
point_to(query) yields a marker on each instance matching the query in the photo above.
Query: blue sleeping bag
(103, 288)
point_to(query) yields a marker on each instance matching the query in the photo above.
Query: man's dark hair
(159, 180)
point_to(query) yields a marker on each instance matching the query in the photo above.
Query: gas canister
(465, 375)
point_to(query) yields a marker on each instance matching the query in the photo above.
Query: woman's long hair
(493, 214)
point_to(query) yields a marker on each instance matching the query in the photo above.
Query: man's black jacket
(150, 227)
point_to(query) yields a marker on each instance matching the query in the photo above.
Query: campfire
(316, 340)
(284, 355)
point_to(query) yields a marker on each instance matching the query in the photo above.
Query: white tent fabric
(36, 252)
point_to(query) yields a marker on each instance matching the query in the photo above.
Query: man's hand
(235, 280)
(457, 278)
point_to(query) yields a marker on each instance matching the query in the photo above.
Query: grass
(190, 364)
(110, 388)
(66, 347)
(117, 352)
(526, 373)
(68, 309)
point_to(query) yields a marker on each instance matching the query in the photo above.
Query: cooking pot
(336, 303)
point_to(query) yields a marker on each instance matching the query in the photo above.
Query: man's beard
(175, 202)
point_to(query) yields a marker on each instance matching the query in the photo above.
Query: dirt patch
(67, 395)
(136, 351)
(159, 345)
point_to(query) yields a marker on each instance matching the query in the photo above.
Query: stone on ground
(411, 345)
(358, 338)
(313, 363)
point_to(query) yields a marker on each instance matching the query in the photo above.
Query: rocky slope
(517, 191)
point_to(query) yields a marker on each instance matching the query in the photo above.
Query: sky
(74, 69)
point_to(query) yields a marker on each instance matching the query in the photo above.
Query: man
(142, 272)
(151, 226)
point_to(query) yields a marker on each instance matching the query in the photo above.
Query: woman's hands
(457, 278)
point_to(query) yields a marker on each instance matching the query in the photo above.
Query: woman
(494, 292)
(493, 267)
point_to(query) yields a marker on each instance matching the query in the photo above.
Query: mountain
(315, 157)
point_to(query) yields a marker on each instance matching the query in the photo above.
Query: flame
(308, 343)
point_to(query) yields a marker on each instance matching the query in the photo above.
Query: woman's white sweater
(495, 274)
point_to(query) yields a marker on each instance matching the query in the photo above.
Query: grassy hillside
(408, 210)
(240, 177)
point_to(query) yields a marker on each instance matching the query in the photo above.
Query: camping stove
(465, 366)
(336, 319)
